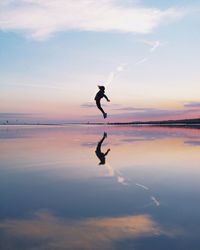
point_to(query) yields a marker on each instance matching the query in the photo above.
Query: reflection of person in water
(99, 154)
(98, 98)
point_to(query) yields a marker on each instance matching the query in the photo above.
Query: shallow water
(55, 194)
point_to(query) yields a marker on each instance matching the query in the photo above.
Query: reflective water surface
(99, 187)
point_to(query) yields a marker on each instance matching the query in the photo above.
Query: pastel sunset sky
(54, 53)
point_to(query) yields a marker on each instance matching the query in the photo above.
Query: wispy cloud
(91, 105)
(192, 105)
(39, 19)
(11, 118)
(15, 115)
(88, 105)
(145, 112)
(134, 109)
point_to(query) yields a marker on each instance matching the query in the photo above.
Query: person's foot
(105, 115)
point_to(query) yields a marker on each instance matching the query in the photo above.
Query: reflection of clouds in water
(111, 171)
(121, 179)
(155, 201)
(77, 139)
(124, 181)
(153, 198)
(50, 232)
(7, 133)
(93, 144)
(89, 144)
(193, 143)
(117, 174)
(132, 140)
(146, 132)
(142, 186)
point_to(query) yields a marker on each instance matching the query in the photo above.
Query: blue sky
(53, 54)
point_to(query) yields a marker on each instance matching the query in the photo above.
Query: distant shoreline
(185, 123)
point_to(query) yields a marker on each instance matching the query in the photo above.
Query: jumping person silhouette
(100, 94)
(99, 153)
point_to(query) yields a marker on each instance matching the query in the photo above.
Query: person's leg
(98, 148)
(100, 108)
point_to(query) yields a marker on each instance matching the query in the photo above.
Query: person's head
(102, 88)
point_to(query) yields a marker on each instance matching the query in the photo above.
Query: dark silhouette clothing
(101, 94)
(99, 154)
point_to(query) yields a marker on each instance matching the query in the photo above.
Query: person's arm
(107, 152)
(106, 98)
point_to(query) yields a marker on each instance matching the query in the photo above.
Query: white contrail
(110, 78)
(155, 201)
(110, 170)
(154, 44)
(142, 186)
(143, 60)
(119, 177)
(113, 74)
(153, 198)
(122, 181)
(121, 67)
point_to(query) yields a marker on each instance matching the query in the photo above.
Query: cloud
(134, 140)
(38, 19)
(50, 232)
(15, 115)
(88, 105)
(152, 113)
(192, 105)
(91, 105)
(133, 109)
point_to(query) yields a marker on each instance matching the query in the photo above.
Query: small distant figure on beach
(99, 154)
(100, 94)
